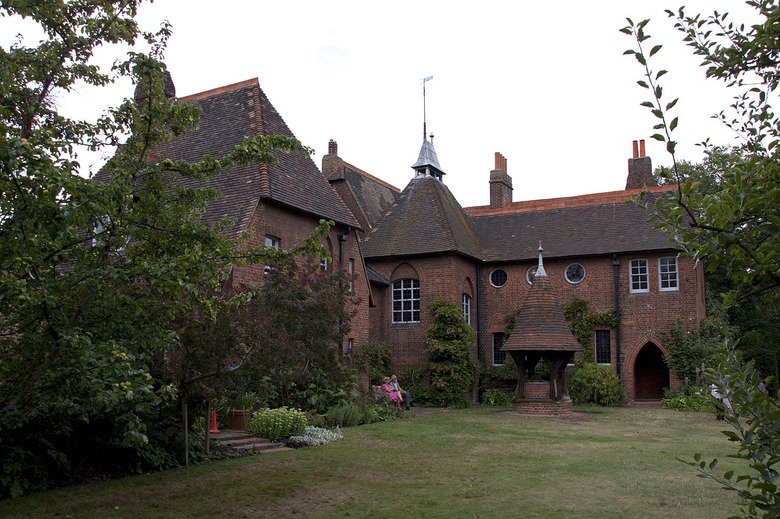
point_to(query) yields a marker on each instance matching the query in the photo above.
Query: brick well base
(543, 407)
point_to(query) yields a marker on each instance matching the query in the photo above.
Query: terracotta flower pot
(237, 419)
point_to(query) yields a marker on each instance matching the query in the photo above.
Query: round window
(530, 274)
(498, 278)
(575, 273)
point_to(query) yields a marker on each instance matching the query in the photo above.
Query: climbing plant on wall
(582, 321)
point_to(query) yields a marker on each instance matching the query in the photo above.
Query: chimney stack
(500, 184)
(640, 169)
(333, 147)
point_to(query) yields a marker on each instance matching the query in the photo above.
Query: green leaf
(671, 105)
(658, 137)
(654, 50)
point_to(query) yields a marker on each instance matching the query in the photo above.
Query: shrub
(277, 424)
(597, 384)
(495, 397)
(453, 371)
(693, 399)
(314, 436)
(376, 357)
(346, 415)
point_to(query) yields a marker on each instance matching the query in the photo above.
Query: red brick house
(598, 247)
(406, 249)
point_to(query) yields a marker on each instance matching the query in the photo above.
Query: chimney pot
(333, 147)
(636, 150)
(642, 148)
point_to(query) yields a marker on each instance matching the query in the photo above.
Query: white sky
(546, 84)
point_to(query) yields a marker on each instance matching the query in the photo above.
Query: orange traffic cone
(213, 429)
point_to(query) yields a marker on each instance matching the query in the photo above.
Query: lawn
(619, 463)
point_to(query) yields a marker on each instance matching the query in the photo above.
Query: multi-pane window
(603, 347)
(498, 278)
(272, 241)
(323, 263)
(467, 308)
(667, 274)
(406, 301)
(640, 279)
(499, 357)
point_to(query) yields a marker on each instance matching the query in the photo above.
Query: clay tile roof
(541, 324)
(425, 219)
(602, 223)
(372, 195)
(231, 113)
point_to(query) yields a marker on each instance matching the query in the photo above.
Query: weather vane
(425, 129)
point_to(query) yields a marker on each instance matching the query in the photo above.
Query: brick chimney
(500, 184)
(332, 163)
(640, 169)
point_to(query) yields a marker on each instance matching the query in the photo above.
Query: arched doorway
(651, 375)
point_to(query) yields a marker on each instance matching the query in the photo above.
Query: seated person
(391, 392)
(404, 394)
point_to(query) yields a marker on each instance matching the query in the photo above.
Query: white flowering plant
(314, 436)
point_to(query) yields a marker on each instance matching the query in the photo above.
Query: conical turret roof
(541, 324)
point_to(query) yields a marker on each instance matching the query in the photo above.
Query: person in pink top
(391, 392)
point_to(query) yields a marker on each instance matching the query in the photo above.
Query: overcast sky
(544, 83)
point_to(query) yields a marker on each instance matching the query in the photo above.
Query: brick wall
(291, 227)
(445, 277)
(645, 316)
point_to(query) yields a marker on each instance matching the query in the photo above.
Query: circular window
(530, 274)
(575, 273)
(498, 278)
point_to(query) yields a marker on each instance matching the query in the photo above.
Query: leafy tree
(453, 371)
(735, 230)
(94, 275)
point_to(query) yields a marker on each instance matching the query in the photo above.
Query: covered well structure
(541, 332)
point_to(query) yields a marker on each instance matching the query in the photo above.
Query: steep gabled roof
(602, 223)
(371, 197)
(231, 113)
(541, 324)
(425, 219)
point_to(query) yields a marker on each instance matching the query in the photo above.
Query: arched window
(467, 308)
(406, 301)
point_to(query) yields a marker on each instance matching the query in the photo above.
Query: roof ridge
(591, 199)
(221, 90)
(371, 177)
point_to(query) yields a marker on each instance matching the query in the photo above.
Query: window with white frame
(323, 263)
(406, 301)
(467, 308)
(603, 347)
(499, 357)
(498, 278)
(272, 241)
(351, 274)
(640, 279)
(667, 274)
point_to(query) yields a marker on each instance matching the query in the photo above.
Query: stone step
(240, 440)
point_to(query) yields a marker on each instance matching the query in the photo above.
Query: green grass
(621, 463)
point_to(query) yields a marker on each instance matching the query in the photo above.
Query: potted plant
(240, 408)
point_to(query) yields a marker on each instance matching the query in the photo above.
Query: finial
(540, 268)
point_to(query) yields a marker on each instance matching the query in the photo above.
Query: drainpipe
(342, 238)
(479, 325)
(616, 273)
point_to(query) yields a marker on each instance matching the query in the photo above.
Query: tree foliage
(94, 275)
(735, 229)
